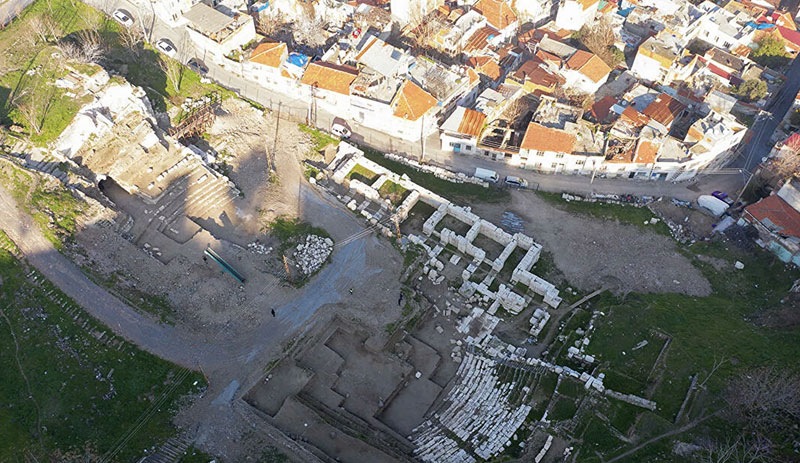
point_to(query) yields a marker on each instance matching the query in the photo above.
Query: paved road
(766, 123)
(9, 9)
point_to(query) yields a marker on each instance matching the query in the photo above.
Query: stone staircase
(172, 451)
(46, 164)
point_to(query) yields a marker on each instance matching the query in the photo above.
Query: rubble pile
(257, 248)
(311, 254)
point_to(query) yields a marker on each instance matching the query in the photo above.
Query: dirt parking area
(593, 253)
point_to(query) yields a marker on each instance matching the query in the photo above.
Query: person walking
(273, 312)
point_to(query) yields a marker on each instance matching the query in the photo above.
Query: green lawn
(393, 192)
(362, 174)
(319, 138)
(85, 396)
(704, 330)
(454, 191)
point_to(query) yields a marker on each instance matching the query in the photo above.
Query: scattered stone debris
(259, 248)
(313, 253)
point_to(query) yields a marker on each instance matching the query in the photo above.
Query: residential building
(777, 220)
(585, 72)
(267, 66)
(499, 15)
(328, 85)
(461, 131)
(663, 59)
(574, 14)
(535, 11)
(406, 12)
(215, 33)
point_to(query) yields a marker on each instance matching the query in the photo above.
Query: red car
(356, 32)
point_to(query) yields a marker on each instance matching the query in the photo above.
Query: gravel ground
(594, 253)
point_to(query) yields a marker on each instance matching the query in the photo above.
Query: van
(516, 182)
(486, 175)
(340, 131)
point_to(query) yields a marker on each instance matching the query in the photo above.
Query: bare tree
(45, 28)
(270, 24)
(765, 398)
(786, 164)
(173, 70)
(309, 29)
(423, 30)
(517, 110)
(30, 109)
(87, 47)
(132, 39)
(738, 450)
(600, 38)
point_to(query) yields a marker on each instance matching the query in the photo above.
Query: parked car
(198, 66)
(340, 131)
(517, 182)
(722, 196)
(123, 17)
(167, 47)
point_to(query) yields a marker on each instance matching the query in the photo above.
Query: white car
(123, 17)
(166, 46)
(340, 131)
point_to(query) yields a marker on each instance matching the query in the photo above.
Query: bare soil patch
(594, 253)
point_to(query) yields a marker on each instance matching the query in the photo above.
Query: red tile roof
(638, 119)
(486, 65)
(779, 212)
(269, 53)
(480, 39)
(472, 122)
(330, 77)
(589, 65)
(498, 13)
(646, 152)
(541, 138)
(601, 109)
(664, 109)
(412, 102)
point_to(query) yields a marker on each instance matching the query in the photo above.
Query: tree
(751, 90)
(173, 70)
(794, 119)
(600, 39)
(765, 399)
(771, 52)
(132, 39)
(309, 30)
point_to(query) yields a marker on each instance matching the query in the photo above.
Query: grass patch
(362, 174)
(310, 171)
(622, 213)
(457, 191)
(563, 409)
(320, 139)
(53, 207)
(703, 330)
(155, 304)
(86, 395)
(290, 230)
(393, 192)
(29, 72)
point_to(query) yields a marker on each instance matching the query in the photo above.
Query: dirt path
(596, 253)
(230, 360)
(657, 438)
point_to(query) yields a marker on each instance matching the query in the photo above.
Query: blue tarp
(760, 26)
(298, 59)
(624, 13)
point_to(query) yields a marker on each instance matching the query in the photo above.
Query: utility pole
(422, 138)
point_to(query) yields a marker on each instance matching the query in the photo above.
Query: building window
(467, 148)
(539, 153)
(559, 155)
(456, 145)
(554, 165)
